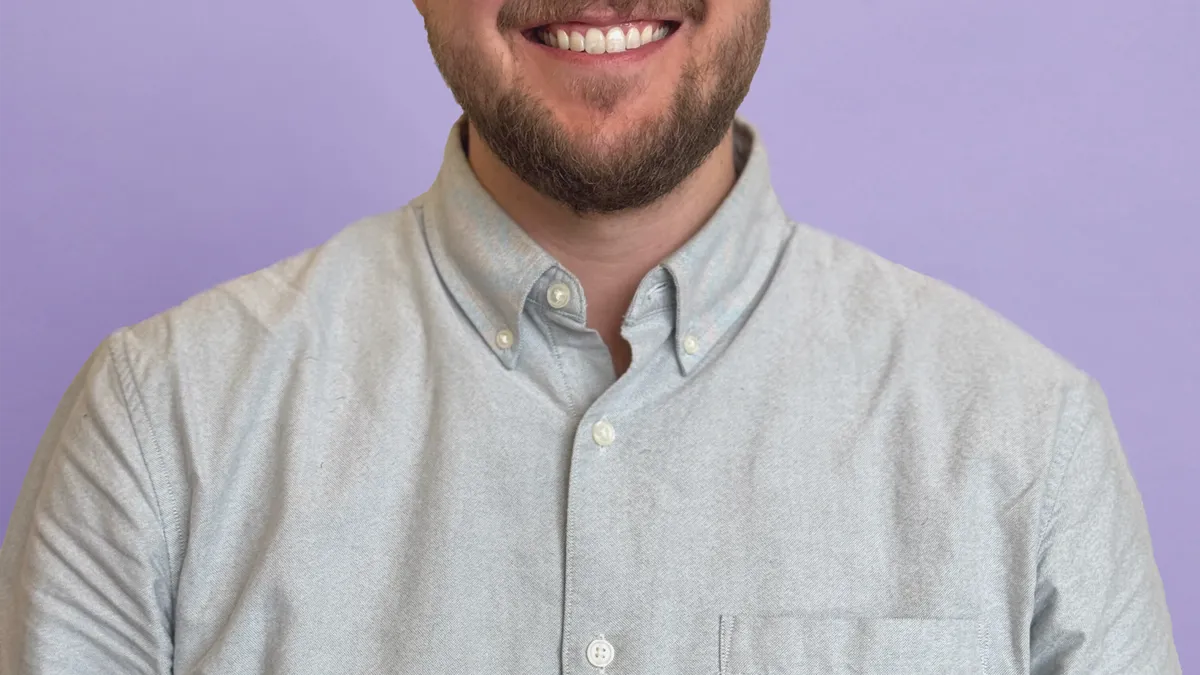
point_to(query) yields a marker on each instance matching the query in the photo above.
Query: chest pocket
(799, 645)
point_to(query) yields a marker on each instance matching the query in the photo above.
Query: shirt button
(600, 653)
(691, 345)
(558, 295)
(504, 339)
(603, 433)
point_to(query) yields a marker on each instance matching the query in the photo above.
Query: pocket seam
(983, 644)
(723, 645)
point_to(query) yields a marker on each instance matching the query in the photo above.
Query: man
(592, 404)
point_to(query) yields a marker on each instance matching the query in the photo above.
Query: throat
(621, 352)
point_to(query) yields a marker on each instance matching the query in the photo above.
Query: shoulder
(935, 354)
(299, 305)
(863, 292)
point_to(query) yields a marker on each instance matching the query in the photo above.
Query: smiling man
(592, 404)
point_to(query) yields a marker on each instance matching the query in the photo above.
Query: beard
(645, 163)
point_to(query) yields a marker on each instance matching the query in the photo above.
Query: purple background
(1042, 156)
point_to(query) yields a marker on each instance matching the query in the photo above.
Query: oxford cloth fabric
(403, 451)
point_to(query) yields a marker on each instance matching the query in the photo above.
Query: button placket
(586, 613)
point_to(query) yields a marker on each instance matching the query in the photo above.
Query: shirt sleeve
(1099, 605)
(84, 569)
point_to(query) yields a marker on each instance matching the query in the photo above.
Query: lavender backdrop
(1044, 157)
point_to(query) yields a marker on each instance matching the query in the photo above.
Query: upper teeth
(604, 40)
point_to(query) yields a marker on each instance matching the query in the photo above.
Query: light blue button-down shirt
(403, 451)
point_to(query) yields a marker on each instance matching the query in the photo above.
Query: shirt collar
(491, 265)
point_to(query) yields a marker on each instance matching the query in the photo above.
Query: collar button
(559, 295)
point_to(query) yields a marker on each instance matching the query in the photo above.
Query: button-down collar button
(603, 433)
(691, 345)
(600, 653)
(504, 339)
(558, 295)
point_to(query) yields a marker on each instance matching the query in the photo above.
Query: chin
(630, 103)
(617, 122)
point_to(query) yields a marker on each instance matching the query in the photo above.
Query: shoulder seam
(1060, 464)
(135, 401)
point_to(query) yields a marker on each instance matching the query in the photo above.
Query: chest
(716, 529)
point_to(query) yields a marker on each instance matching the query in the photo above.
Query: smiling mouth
(599, 40)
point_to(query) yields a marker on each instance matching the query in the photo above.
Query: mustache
(520, 14)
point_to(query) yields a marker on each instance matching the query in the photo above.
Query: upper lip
(603, 17)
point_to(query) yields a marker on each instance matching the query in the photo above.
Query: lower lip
(584, 58)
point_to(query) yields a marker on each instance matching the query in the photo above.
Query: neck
(609, 253)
